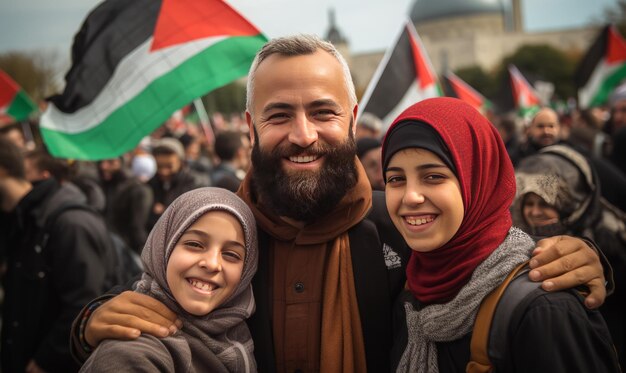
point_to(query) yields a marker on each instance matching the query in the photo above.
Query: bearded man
(330, 265)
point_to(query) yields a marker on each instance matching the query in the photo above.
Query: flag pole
(205, 122)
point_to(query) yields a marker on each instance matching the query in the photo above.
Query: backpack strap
(479, 346)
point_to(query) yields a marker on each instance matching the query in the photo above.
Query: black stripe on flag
(588, 64)
(109, 33)
(395, 80)
(448, 87)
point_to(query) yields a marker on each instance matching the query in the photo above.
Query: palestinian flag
(524, 96)
(135, 63)
(15, 105)
(602, 69)
(405, 76)
(457, 87)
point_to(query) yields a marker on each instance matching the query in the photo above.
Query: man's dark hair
(58, 168)
(11, 127)
(11, 159)
(227, 143)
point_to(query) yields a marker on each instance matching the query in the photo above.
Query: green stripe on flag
(606, 87)
(21, 106)
(124, 128)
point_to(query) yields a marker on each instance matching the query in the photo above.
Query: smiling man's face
(301, 125)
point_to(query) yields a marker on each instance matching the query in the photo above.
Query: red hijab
(487, 181)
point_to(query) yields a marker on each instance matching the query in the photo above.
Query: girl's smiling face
(206, 264)
(423, 199)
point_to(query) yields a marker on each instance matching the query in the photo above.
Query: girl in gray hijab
(199, 260)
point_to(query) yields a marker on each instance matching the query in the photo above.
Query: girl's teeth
(201, 285)
(419, 221)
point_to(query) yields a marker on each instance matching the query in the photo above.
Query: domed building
(465, 33)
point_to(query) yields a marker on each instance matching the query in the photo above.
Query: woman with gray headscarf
(199, 260)
(558, 193)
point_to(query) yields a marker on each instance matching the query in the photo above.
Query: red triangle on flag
(616, 47)
(524, 95)
(184, 21)
(8, 89)
(424, 74)
(465, 92)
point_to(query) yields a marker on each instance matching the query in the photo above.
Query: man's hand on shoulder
(128, 315)
(564, 262)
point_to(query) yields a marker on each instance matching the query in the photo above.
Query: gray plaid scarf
(453, 320)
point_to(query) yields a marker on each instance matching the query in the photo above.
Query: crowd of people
(312, 241)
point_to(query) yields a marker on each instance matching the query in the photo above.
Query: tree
(228, 99)
(478, 79)
(546, 63)
(34, 72)
(617, 16)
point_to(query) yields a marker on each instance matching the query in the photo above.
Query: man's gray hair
(297, 45)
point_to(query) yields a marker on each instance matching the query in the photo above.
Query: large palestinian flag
(15, 105)
(524, 96)
(457, 87)
(137, 61)
(405, 76)
(602, 69)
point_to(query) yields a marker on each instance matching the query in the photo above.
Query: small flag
(135, 63)
(602, 69)
(15, 105)
(405, 76)
(525, 98)
(457, 87)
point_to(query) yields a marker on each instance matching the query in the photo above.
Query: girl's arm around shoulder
(554, 332)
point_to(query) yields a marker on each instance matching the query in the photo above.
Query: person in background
(618, 154)
(233, 150)
(558, 193)
(40, 166)
(195, 157)
(617, 103)
(368, 125)
(545, 130)
(13, 132)
(172, 177)
(53, 267)
(368, 152)
(128, 202)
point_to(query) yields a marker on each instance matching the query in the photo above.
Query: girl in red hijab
(449, 187)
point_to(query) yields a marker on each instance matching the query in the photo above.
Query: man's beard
(304, 195)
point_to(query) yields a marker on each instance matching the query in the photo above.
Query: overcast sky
(369, 25)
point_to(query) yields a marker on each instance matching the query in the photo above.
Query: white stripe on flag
(599, 75)
(132, 75)
(413, 95)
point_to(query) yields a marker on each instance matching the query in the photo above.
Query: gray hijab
(222, 333)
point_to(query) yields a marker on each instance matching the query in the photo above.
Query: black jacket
(47, 285)
(378, 263)
(548, 332)
(128, 206)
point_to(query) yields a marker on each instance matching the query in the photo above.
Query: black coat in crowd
(128, 206)
(47, 284)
